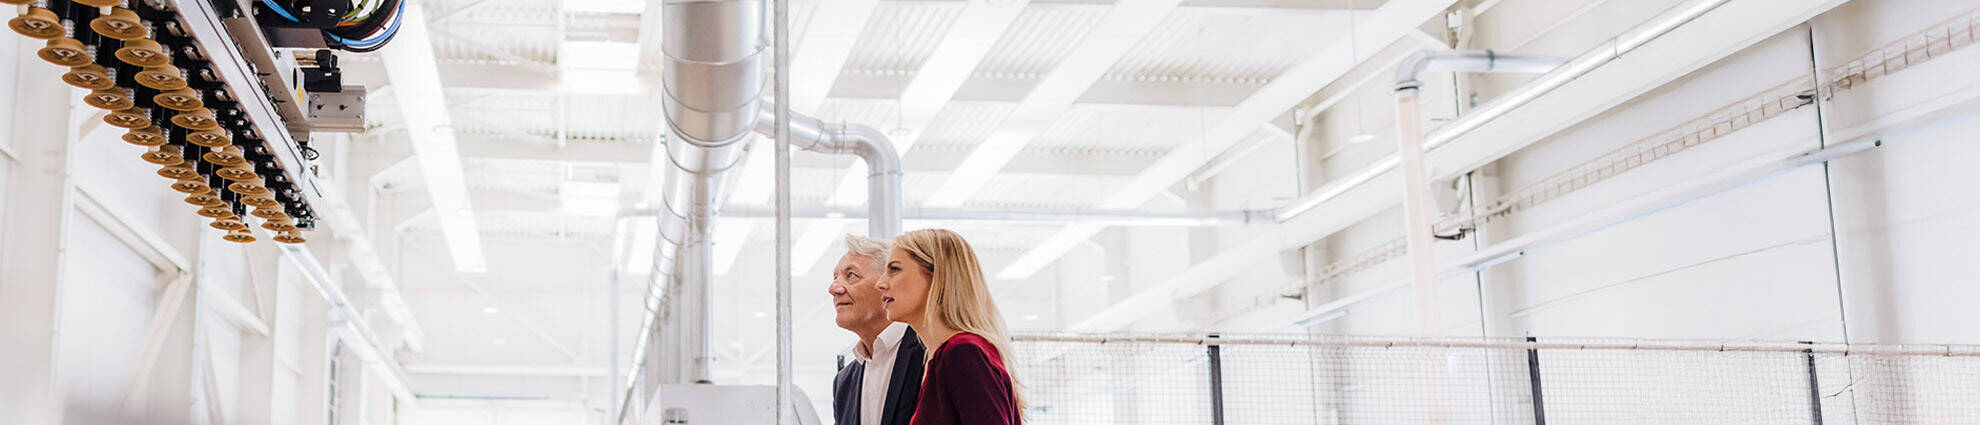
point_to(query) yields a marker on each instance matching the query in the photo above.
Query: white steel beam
(827, 42)
(163, 317)
(140, 239)
(969, 38)
(1126, 24)
(33, 219)
(528, 325)
(345, 322)
(1393, 21)
(1694, 45)
(505, 370)
(423, 103)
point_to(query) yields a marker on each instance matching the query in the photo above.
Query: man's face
(854, 299)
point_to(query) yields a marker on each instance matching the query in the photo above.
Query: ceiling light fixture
(489, 310)
(599, 67)
(605, 6)
(415, 76)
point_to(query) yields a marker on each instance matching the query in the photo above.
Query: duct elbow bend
(1412, 66)
(870, 144)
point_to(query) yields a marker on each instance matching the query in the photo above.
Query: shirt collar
(886, 342)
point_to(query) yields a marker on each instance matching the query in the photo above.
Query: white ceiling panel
(1194, 44)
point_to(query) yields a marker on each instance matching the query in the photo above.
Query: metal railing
(1302, 379)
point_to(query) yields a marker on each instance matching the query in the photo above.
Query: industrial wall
(1866, 248)
(120, 300)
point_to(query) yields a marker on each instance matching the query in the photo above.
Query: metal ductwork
(713, 85)
(883, 165)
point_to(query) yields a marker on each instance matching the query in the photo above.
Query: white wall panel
(107, 298)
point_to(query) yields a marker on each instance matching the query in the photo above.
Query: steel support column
(32, 223)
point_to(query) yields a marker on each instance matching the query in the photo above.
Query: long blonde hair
(958, 296)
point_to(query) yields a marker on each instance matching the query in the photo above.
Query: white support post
(32, 223)
(1416, 211)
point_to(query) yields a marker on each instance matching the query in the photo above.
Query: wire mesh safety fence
(1279, 379)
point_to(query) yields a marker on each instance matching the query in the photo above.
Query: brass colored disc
(65, 51)
(261, 201)
(269, 213)
(161, 77)
(228, 224)
(208, 198)
(210, 138)
(220, 211)
(132, 118)
(250, 187)
(238, 172)
(143, 52)
(191, 185)
(17, 2)
(198, 119)
(148, 136)
(37, 23)
(120, 23)
(227, 155)
(177, 172)
(182, 99)
(239, 236)
(164, 155)
(113, 99)
(89, 76)
(279, 225)
(290, 237)
(99, 3)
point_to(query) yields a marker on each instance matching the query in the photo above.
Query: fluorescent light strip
(1125, 25)
(827, 42)
(810, 247)
(969, 38)
(639, 259)
(986, 161)
(1391, 22)
(730, 236)
(416, 85)
(753, 186)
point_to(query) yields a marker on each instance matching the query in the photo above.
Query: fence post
(1533, 379)
(1814, 386)
(1216, 381)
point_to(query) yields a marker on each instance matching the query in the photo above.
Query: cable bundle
(364, 28)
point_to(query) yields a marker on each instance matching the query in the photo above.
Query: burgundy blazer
(966, 384)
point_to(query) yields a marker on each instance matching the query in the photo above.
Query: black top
(902, 389)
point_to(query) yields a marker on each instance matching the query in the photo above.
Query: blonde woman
(933, 283)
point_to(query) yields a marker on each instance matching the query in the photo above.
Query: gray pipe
(1575, 68)
(1472, 61)
(712, 84)
(883, 165)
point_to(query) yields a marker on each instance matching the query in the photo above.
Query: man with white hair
(881, 386)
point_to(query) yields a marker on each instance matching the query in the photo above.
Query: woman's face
(903, 287)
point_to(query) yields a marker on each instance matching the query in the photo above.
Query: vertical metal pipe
(612, 343)
(1416, 210)
(1533, 382)
(1814, 387)
(782, 86)
(1216, 353)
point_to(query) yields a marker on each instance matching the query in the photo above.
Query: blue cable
(366, 42)
(284, 13)
(375, 39)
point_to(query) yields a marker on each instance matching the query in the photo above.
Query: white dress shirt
(879, 372)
